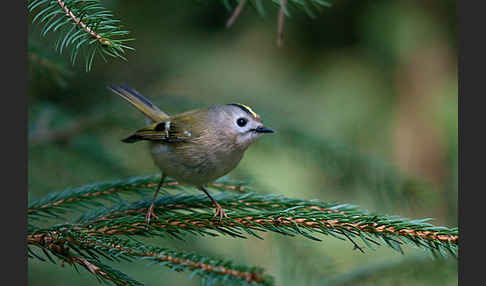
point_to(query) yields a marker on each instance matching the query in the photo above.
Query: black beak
(261, 129)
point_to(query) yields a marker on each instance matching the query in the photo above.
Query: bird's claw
(220, 213)
(150, 214)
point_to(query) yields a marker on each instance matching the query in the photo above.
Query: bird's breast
(194, 164)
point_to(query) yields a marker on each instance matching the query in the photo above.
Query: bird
(194, 147)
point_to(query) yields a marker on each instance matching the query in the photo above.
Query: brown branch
(281, 19)
(228, 187)
(236, 13)
(248, 276)
(83, 25)
(184, 206)
(56, 245)
(53, 242)
(119, 189)
(62, 201)
(91, 267)
(277, 221)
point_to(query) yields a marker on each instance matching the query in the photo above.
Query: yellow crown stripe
(247, 109)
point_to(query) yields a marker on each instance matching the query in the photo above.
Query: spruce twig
(281, 19)
(81, 24)
(283, 5)
(393, 231)
(86, 24)
(249, 212)
(59, 202)
(89, 248)
(58, 246)
(96, 234)
(236, 13)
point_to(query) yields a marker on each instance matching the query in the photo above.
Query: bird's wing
(163, 132)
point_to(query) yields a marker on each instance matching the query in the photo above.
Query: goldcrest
(197, 146)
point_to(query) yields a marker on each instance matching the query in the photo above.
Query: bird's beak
(261, 129)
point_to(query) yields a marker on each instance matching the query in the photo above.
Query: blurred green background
(364, 99)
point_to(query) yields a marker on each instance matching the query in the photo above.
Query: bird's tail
(140, 102)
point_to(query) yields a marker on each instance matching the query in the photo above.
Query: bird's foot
(150, 214)
(219, 212)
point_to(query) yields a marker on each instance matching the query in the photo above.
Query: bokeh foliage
(363, 96)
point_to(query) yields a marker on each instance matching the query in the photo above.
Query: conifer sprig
(90, 249)
(85, 26)
(58, 203)
(96, 234)
(81, 24)
(198, 203)
(307, 5)
(60, 247)
(371, 229)
(248, 212)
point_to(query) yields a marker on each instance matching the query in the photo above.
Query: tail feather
(140, 102)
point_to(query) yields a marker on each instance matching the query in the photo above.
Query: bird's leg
(219, 210)
(150, 212)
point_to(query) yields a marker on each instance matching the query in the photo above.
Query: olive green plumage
(196, 146)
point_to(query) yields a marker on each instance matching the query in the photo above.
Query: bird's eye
(241, 121)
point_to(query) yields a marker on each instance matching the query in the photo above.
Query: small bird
(197, 146)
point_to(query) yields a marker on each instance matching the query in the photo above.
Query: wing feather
(163, 132)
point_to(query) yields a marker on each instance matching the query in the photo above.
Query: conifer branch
(236, 13)
(85, 24)
(393, 231)
(281, 19)
(62, 248)
(306, 5)
(91, 248)
(81, 24)
(90, 195)
(183, 202)
(95, 235)
(249, 212)
(77, 21)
